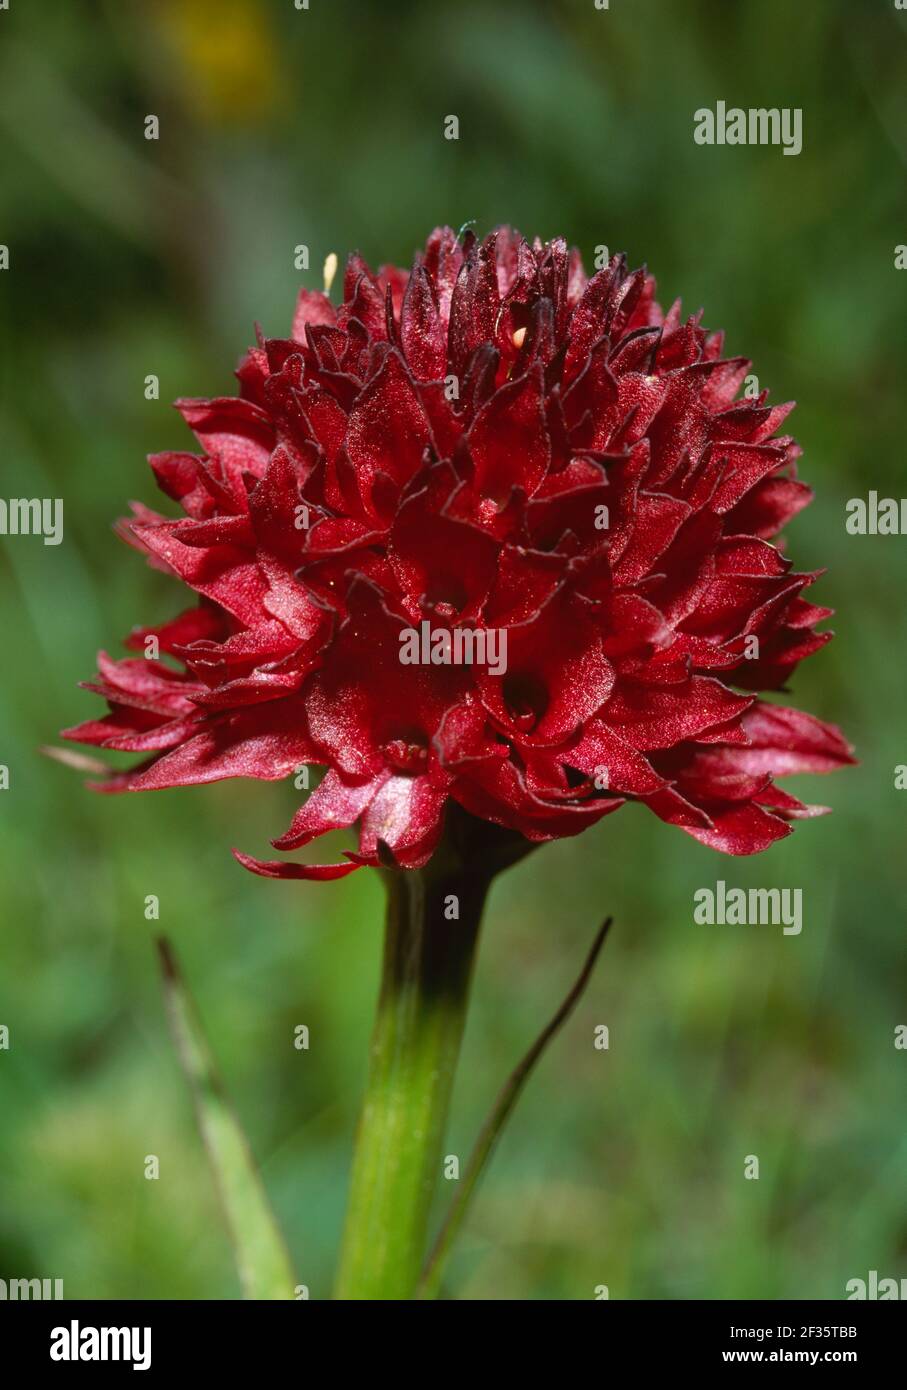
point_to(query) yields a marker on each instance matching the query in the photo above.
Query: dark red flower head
(489, 456)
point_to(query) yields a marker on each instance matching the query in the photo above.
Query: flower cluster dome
(495, 442)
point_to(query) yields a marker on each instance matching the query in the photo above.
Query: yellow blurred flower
(228, 50)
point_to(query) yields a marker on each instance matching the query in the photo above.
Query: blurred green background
(130, 257)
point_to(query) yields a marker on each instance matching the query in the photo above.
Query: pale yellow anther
(330, 270)
(519, 337)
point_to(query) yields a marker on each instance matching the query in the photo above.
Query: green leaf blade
(430, 1282)
(262, 1260)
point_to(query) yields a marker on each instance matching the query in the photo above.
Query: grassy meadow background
(130, 257)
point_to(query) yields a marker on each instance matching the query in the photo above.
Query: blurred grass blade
(488, 1135)
(265, 1271)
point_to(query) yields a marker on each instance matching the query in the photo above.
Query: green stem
(428, 959)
